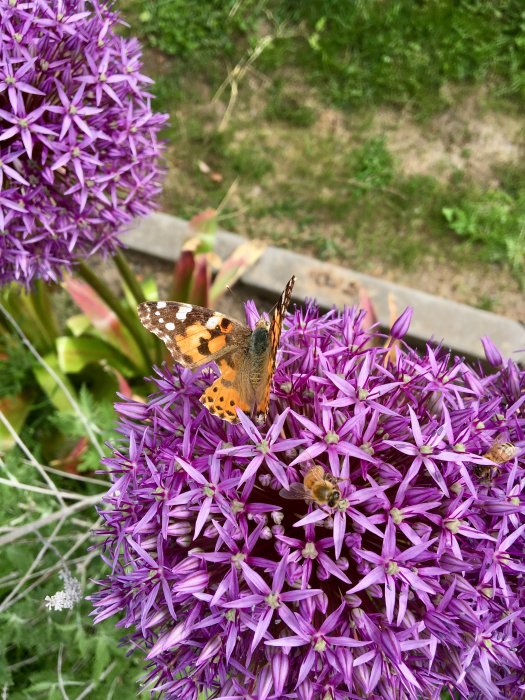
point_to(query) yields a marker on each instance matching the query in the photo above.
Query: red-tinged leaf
(123, 386)
(200, 287)
(183, 275)
(101, 316)
(365, 302)
(15, 409)
(70, 462)
(235, 266)
(216, 177)
(205, 222)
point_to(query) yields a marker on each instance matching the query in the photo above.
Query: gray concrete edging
(459, 326)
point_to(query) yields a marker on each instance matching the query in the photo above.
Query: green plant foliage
(289, 108)
(99, 414)
(187, 28)
(45, 653)
(495, 222)
(90, 656)
(16, 366)
(372, 163)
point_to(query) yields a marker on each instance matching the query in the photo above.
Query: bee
(318, 486)
(501, 452)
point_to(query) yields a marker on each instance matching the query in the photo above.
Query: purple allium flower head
(78, 139)
(412, 584)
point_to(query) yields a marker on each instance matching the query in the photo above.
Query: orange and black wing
(276, 324)
(193, 335)
(227, 393)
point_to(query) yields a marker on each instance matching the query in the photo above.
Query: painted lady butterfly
(246, 358)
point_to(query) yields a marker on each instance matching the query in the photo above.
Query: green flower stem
(44, 309)
(22, 304)
(130, 321)
(128, 277)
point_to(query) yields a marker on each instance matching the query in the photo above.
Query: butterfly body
(246, 358)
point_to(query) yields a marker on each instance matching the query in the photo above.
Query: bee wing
(296, 492)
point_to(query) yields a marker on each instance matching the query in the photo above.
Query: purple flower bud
(401, 325)
(209, 650)
(305, 691)
(280, 668)
(492, 353)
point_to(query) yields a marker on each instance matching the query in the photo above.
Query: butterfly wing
(276, 324)
(230, 391)
(193, 335)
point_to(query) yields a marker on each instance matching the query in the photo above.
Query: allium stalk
(412, 585)
(78, 138)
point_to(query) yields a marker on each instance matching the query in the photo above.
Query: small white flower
(67, 598)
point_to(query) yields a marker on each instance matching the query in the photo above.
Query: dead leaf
(232, 269)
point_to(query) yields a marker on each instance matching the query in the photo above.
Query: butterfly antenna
(234, 294)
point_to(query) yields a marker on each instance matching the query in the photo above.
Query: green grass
(286, 107)
(358, 53)
(400, 52)
(310, 184)
(295, 184)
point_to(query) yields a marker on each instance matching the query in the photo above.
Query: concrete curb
(458, 325)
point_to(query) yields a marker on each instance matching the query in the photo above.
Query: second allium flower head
(413, 583)
(78, 139)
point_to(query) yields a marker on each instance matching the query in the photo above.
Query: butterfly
(245, 357)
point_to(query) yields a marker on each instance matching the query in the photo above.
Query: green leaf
(41, 686)
(75, 353)
(50, 387)
(448, 213)
(102, 654)
(78, 324)
(150, 288)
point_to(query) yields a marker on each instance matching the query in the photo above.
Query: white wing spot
(160, 320)
(170, 326)
(183, 312)
(157, 313)
(161, 304)
(212, 321)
